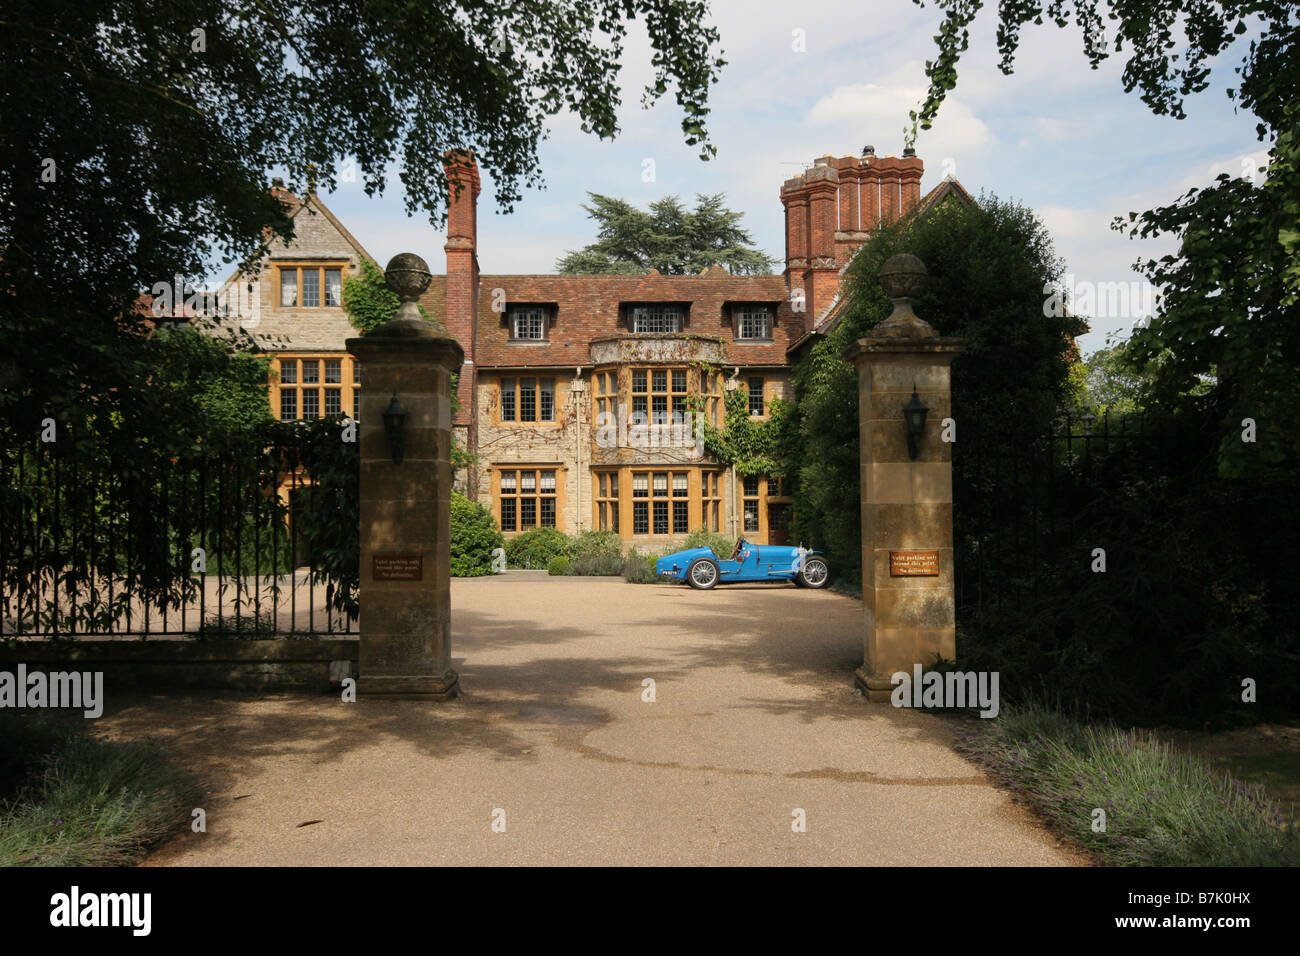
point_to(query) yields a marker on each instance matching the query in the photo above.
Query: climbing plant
(368, 300)
(752, 445)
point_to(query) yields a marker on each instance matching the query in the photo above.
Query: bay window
(607, 501)
(657, 394)
(660, 502)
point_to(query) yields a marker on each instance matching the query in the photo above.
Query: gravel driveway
(552, 756)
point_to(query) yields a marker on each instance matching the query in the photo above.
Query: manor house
(586, 398)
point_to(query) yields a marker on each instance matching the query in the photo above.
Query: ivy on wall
(368, 300)
(752, 445)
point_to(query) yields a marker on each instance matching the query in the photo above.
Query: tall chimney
(463, 187)
(822, 279)
(795, 201)
(832, 208)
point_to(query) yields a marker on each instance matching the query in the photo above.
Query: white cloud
(1244, 164)
(1054, 130)
(1096, 254)
(868, 106)
(1060, 137)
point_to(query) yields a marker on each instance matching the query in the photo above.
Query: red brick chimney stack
(869, 191)
(889, 194)
(909, 177)
(463, 187)
(822, 184)
(850, 199)
(795, 201)
(833, 208)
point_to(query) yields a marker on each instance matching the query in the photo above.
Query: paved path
(755, 716)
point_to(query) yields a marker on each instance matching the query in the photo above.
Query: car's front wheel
(815, 573)
(702, 574)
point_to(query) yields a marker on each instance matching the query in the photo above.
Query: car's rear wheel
(815, 573)
(702, 574)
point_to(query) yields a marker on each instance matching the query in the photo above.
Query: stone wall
(563, 444)
(275, 664)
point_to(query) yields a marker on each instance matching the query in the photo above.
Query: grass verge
(1161, 808)
(68, 798)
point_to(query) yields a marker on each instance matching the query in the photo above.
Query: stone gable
(319, 238)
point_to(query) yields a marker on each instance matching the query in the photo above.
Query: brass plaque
(913, 564)
(397, 567)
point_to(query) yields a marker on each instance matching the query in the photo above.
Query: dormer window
(661, 317)
(753, 322)
(528, 323)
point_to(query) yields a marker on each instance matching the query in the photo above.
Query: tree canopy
(667, 237)
(138, 138)
(1111, 385)
(987, 266)
(1231, 293)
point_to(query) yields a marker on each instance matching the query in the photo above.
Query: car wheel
(702, 574)
(815, 573)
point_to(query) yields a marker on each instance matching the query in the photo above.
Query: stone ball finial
(903, 277)
(408, 275)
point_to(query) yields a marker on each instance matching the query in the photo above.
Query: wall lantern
(394, 419)
(914, 413)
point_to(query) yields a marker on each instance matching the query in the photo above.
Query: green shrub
(703, 538)
(601, 563)
(535, 548)
(640, 568)
(1168, 640)
(474, 536)
(265, 548)
(593, 543)
(558, 565)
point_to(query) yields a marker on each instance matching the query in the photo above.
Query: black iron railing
(250, 535)
(1023, 503)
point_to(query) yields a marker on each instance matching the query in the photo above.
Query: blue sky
(1062, 138)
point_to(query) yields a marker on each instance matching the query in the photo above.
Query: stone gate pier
(405, 444)
(904, 397)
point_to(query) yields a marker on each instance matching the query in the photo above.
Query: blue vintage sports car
(702, 569)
